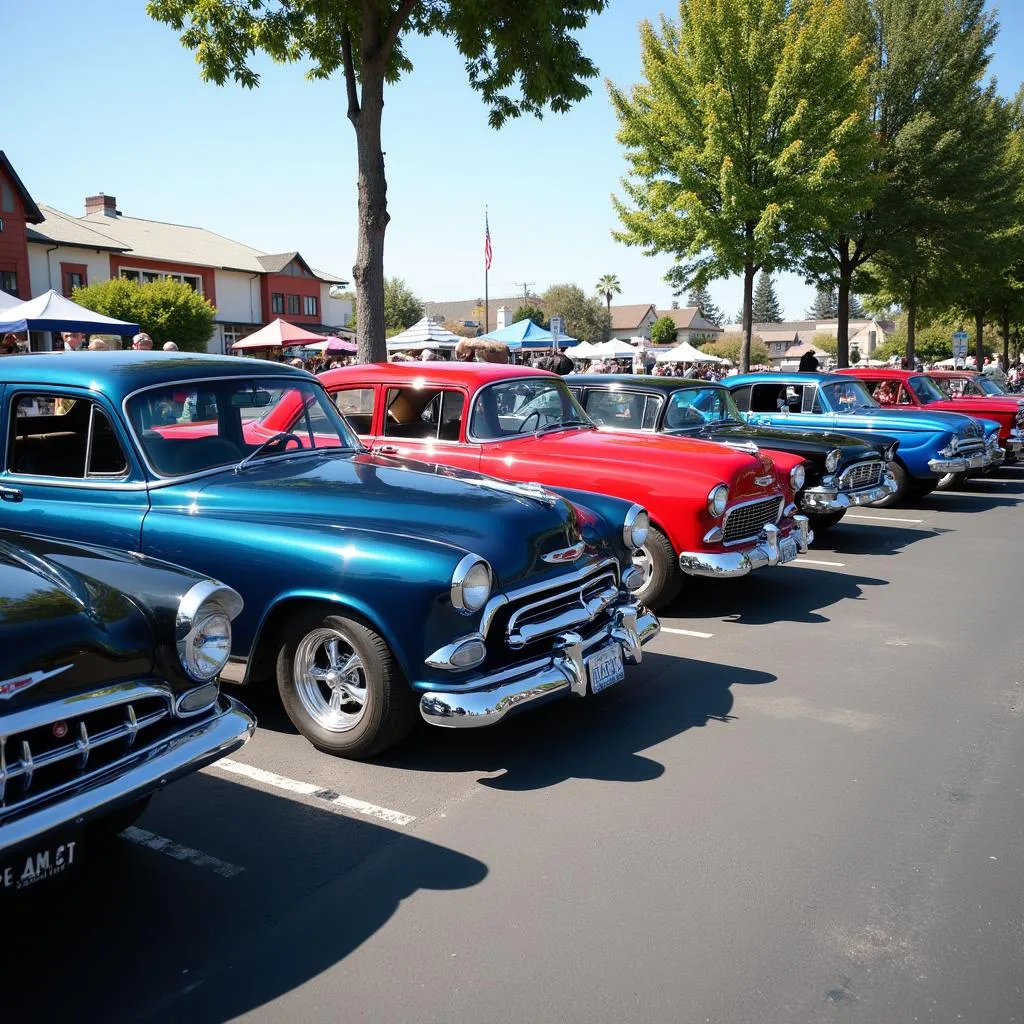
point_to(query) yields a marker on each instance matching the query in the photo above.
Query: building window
(194, 281)
(276, 303)
(309, 305)
(72, 280)
(9, 282)
(293, 304)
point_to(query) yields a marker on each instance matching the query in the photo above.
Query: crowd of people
(76, 341)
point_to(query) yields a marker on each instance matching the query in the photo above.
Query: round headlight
(890, 452)
(203, 628)
(718, 497)
(797, 477)
(832, 460)
(471, 584)
(636, 527)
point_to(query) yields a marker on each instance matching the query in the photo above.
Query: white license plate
(605, 668)
(35, 865)
(788, 549)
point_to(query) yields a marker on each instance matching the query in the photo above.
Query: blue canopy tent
(53, 312)
(526, 334)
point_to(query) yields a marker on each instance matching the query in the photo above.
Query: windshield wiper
(561, 425)
(285, 435)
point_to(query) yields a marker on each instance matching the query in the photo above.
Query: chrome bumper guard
(1014, 444)
(198, 744)
(960, 465)
(738, 563)
(819, 500)
(489, 699)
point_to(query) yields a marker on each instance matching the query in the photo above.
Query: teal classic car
(373, 586)
(930, 444)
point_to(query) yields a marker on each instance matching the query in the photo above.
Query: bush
(528, 312)
(663, 331)
(166, 310)
(728, 347)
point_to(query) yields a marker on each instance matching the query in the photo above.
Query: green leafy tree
(700, 299)
(527, 312)
(401, 306)
(522, 57)
(927, 58)
(748, 130)
(663, 331)
(766, 303)
(826, 342)
(584, 316)
(166, 310)
(730, 346)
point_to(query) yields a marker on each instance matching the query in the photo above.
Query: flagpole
(487, 318)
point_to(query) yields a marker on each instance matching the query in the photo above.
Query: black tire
(922, 488)
(388, 711)
(665, 578)
(899, 474)
(949, 482)
(823, 521)
(110, 826)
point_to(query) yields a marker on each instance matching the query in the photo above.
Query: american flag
(488, 251)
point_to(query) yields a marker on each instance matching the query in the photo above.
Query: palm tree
(608, 285)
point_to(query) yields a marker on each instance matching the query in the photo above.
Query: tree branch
(350, 72)
(401, 16)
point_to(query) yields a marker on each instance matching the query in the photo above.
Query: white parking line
(687, 632)
(330, 797)
(814, 561)
(170, 848)
(882, 519)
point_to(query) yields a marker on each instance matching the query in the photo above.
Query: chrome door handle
(10, 494)
(386, 449)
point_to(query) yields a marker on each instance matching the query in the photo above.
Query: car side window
(58, 436)
(741, 396)
(651, 412)
(616, 409)
(766, 397)
(904, 398)
(356, 405)
(424, 413)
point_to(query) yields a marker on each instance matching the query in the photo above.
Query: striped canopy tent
(53, 312)
(422, 335)
(279, 334)
(526, 334)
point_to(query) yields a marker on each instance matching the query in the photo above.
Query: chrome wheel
(330, 679)
(644, 561)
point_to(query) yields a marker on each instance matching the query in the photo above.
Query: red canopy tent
(279, 334)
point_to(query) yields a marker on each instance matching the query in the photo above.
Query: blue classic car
(931, 444)
(372, 585)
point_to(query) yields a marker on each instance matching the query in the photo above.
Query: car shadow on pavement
(974, 498)
(857, 539)
(596, 738)
(137, 935)
(786, 594)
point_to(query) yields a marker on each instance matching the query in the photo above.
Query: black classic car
(842, 471)
(108, 691)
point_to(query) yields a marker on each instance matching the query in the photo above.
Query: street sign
(959, 344)
(557, 330)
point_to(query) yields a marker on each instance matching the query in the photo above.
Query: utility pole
(525, 285)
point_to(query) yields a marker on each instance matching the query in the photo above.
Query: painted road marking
(883, 519)
(330, 797)
(813, 561)
(687, 632)
(169, 848)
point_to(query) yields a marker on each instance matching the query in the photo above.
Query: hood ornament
(18, 684)
(764, 481)
(562, 555)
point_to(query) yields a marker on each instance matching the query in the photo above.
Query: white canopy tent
(613, 349)
(584, 350)
(7, 301)
(686, 353)
(422, 335)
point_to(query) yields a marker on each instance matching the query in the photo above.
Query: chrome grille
(50, 749)
(864, 474)
(743, 522)
(971, 445)
(971, 430)
(563, 605)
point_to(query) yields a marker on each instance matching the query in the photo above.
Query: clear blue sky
(100, 98)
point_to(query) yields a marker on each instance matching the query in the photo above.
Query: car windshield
(193, 426)
(926, 389)
(692, 408)
(524, 405)
(989, 386)
(849, 396)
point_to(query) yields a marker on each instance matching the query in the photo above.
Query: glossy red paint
(670, 476)
(902, 395)
(13, 240)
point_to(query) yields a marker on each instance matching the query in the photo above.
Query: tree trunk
(843, 304)
(748, 316)
(1006, 337)
(368, 271)
(979, 342)
(911, 324)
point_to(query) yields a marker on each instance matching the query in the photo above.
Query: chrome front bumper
(196, 746)
(960, 464)
(820, 500)
(487, 700)
(742, 561)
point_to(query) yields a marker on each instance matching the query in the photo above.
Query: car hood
(391, 496)
(705, 462)
(979, 407)
(62, 633)
(812, 446)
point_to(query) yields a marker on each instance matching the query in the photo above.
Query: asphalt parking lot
(806, 805)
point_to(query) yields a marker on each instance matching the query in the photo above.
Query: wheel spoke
(335, 702)
(333, 654)
(351, 664)
(319, 674)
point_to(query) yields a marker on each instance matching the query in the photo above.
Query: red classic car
(910, 390)
(716, 510)
(970, 385)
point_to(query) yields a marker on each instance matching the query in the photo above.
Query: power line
(525, 285)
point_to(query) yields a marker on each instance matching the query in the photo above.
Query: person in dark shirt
(808, 363)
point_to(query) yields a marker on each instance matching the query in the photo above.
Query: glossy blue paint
(922, 435)
(376, 536)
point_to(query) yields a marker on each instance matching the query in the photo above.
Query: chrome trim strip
(724, 565)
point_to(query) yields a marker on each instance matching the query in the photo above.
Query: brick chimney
(107, 205)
